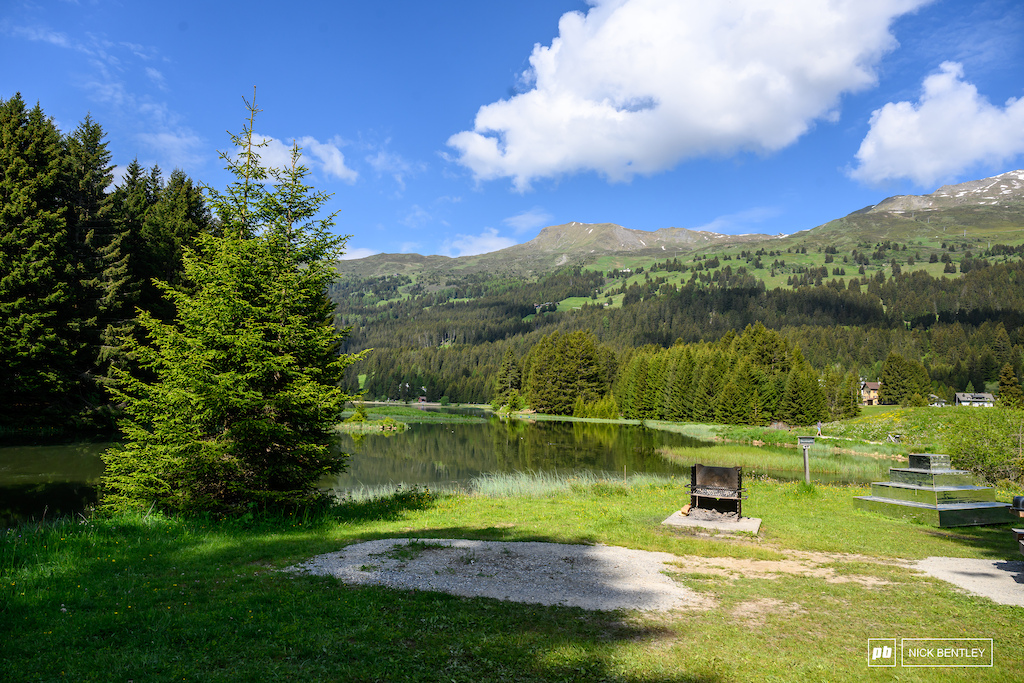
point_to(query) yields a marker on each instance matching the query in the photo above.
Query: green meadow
(150, 598)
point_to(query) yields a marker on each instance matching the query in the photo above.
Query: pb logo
(882, 652)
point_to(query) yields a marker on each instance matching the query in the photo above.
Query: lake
(443, 454)
(62, 479)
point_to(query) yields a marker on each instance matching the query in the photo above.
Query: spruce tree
(540, 374)
(41, 327)
(508, 382)
(245, 395)
(1010, 393)
(88, 174)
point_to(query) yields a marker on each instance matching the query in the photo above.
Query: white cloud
(635, 86)
(323, 156)
(332, 161)
(529, 220)
(417, 217)
(469, 245)
(950, 129)
(385, 162)
(156, 77)
(43, 35)
(118, 172)
(740, 222)
(353, 254)
(182, 149)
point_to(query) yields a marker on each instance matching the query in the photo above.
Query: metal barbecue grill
(717, 488)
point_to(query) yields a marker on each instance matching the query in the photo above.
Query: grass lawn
(157, 599)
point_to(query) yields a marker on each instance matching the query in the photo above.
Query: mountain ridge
(1003, 188)
(994, 201)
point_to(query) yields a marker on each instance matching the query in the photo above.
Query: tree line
(77, 261)
(966, 343)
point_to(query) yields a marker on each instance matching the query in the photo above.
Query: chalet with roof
(976, 400)
(869, 393)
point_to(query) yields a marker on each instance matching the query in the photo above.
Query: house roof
(872, 386)
(974, 398)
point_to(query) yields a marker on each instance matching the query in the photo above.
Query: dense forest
(77, 261)
(962, 330)
(80, 256)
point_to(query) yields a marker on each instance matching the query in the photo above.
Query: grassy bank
(411, 414)
(154, 599)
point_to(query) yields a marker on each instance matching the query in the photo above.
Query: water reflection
(49, 480)
(446, 453)
(63, 478)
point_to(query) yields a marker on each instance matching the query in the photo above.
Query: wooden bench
(1019, 533)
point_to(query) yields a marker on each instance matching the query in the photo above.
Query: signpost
(806, 442)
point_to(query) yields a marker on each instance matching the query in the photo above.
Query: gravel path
(599, 577)
(1000, 580)
(595, 577)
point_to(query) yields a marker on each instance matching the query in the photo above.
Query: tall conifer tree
(40, 318)
(245, 396)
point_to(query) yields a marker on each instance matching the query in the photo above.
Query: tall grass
(546, 484)
(705, 432)
(820, 460)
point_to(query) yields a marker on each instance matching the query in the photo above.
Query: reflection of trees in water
(72, 462)
(432, 453)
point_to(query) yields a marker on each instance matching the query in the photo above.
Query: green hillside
(846, 293)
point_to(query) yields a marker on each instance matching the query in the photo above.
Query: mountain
(594, 238)
(990, 209)
(557, 245)
(1007, 188)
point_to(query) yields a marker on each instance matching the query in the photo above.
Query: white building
(975, 400)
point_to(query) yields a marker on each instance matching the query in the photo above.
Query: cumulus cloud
(635, 86)
(325, 157)
(529, 220)
(948, 130)
(470, 245)
(353, 254)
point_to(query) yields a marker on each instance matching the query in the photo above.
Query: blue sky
(460, 127)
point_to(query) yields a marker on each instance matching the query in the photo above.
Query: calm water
(433, 454)
(62, 479)
(51, 480)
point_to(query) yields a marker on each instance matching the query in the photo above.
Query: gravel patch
(593, 577)
(999, 580)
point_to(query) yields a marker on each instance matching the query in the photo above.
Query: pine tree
(151, 224)
(540, 374)
(88, 174)
(41, 327)
(508, 382)
(705, 400)
(245, 396)
(901, 379)
(789, 403)
(583, 374)
(1010, 393)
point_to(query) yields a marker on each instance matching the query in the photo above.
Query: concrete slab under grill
(749, 525)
